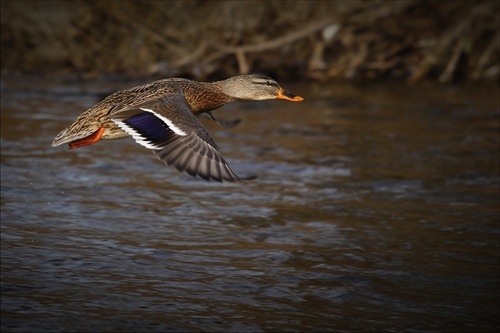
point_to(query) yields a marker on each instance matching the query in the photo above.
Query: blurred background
(408, 39)
(376, 206)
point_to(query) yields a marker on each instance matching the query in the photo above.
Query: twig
(270, 44)
(450, 68)
(483, 60)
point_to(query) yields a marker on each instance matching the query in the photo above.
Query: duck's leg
(88, 140)
(224, 123)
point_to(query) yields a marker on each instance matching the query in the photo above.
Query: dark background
(413, 40)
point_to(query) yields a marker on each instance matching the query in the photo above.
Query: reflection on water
(376, 208)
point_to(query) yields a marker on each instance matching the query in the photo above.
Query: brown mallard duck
(161, 116)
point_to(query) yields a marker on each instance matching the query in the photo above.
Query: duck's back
(97, 116)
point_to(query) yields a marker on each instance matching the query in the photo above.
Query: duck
(163, 116)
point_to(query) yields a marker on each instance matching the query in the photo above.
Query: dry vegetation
(411, 40)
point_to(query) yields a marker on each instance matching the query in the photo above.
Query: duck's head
(255, 87)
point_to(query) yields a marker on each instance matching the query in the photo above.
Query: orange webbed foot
(92, 138)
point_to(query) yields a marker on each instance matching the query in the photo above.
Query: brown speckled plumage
(161, 116)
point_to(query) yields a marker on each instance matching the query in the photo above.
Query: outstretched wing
(168, 127)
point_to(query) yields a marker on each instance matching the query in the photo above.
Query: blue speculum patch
(150, 127)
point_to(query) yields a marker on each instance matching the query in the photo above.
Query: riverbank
(443, 41)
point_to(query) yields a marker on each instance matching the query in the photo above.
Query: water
(376, 208)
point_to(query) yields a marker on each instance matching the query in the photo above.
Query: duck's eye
(271, 84)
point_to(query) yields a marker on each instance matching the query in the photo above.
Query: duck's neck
(204, 96)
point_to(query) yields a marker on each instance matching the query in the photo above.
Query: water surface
(376, 207)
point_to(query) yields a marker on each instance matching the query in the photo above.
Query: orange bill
(283, 94)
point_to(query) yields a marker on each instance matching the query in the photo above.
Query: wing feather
(168, 127)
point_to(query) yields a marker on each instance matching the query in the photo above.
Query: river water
(376, 208)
